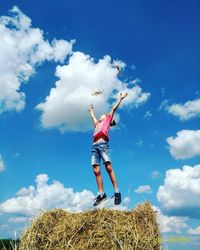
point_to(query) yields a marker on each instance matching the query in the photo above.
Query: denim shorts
(100, 150)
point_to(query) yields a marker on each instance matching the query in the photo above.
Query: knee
(108, 167)
(96, 170)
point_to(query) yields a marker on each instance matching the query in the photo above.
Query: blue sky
(49, 133)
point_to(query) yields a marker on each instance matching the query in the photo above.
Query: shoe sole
(117, 202)
(100, 202)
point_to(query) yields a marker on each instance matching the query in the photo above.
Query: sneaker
(99, 199)
(117, 200)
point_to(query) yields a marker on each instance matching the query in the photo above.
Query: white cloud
(65, 107)
(32, 200)
(126, 200)
(148, 114)
(143, 189)
(22, 48)
(185, 145)
(135, 81)
(195, 231)
(163, 91)
(139, 143)
(133, 67)
(185, 111)
(155, 174)
(26, 191)
(2, 166)
(181, 191)
(170, 224)
(19, 219)
(15, 155)
(109, 203)
(164, 105)
(197, 92)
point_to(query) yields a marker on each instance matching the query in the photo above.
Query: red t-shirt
(102, 127)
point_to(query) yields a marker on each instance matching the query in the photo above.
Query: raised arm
(92, 114)
(121, 97)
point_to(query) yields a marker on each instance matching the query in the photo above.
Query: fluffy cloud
(19, 219)
(2, 167)
(65, 107)
(22, 48)
(170, 224)
(155, 174)
(195, 231)
(139, 143)
(32, 200)
(185, 145)
(185, 111)
(181, 191)
(148, 115)
(143, 189)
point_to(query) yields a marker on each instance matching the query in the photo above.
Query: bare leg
(98, 176)
(111, 173)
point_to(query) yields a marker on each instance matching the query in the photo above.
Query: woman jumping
(100, 150)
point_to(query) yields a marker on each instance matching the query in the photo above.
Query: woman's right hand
(91, 107)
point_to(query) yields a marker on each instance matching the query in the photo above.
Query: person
(100, 150)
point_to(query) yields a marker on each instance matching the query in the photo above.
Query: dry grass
(102, 229)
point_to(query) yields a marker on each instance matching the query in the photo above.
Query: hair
(113, 123)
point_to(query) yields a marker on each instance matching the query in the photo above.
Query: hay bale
(102, 229)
